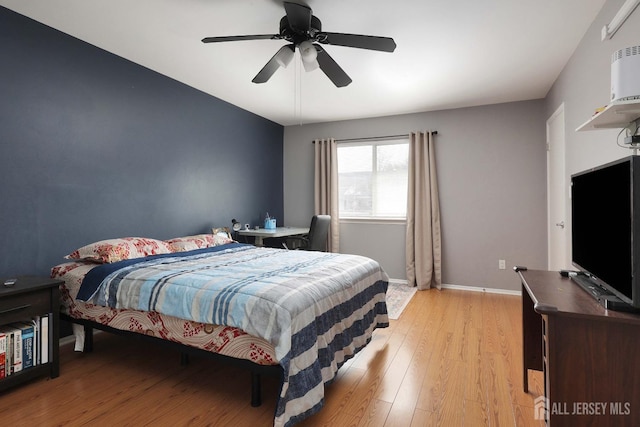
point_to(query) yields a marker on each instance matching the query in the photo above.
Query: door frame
(562, 184)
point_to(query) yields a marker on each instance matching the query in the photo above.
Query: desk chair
(318, 235)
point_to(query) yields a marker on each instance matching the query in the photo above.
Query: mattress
(226, 340)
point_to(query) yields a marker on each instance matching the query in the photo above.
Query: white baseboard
(68, 339)
(468, 288)
(479, 289)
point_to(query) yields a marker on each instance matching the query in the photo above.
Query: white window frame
(373, 142)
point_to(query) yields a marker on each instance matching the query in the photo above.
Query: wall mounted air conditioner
(625, 74)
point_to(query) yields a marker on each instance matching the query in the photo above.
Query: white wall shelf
(618, 114)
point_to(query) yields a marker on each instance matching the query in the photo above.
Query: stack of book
(24, 345)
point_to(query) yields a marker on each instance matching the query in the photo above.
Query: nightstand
(33, 299)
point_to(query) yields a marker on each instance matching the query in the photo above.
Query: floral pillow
(199, 241)
(114, 250)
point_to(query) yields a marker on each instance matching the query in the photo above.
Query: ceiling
(449, 54)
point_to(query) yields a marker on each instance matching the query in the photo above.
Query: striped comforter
(317, 309)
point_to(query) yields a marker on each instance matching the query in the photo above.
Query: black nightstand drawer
(25, 305)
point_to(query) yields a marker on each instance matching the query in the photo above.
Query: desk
(589, 355)
(278, 232)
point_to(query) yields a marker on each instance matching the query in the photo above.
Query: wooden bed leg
(256, 393)
(184, 359)
(88, 339)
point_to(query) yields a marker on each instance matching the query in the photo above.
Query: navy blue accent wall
(93, 146)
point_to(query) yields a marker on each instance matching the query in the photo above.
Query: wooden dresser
(590, 356)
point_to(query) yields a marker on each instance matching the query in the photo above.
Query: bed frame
(185, 350)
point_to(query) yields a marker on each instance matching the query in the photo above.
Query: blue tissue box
(270, 224)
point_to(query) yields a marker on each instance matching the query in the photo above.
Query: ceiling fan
(303, 30)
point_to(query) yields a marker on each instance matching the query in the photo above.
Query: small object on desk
(519, 268)
(612, 302)
(569, 273)
(257, 227)
(10, 282)
(269, 222)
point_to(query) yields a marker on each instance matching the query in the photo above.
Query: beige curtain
(326, 187)
(423, 247)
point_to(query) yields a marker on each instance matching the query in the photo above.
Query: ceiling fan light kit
(309, 56)
(284, 55)
(303, 30)
(308, 51)
(310, 65)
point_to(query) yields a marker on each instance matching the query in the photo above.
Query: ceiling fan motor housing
(296, 36)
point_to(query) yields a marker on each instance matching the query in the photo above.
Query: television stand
(604, 297)
(588, 354)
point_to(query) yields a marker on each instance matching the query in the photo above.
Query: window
(372, 179)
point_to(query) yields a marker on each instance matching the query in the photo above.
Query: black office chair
(317, 238)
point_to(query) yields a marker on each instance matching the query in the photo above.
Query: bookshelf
(28, 299)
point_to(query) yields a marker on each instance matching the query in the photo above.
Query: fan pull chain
(297, 90)
(295, 86)
(300, 96)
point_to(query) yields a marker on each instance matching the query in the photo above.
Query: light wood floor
(454, 358)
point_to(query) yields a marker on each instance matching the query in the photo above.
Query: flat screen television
(605, 232)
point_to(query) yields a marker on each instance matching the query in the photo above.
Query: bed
(302, 313)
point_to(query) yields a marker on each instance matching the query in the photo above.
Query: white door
(558, 232)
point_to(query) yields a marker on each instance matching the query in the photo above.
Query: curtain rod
(435, 132)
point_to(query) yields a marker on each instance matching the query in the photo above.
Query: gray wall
(93, 146)
(583, 86)
(492, 174)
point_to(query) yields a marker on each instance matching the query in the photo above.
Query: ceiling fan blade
(238, 38)
(384, 44)
(270, 67)
(331, 68)
(299, 16)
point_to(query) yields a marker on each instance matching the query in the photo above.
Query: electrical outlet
(502, 264)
